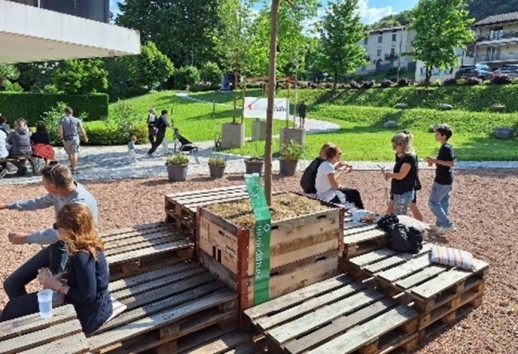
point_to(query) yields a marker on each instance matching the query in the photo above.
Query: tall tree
(181, 29)
(441, 26)
(340, 34)
(8, 73)
(81, 76)
(151, 67)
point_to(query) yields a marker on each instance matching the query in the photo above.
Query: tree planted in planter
(177, 167)
(291, 154)
(217, 166)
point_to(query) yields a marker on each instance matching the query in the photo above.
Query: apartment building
(41, 30)
(496, 40)
(385, 48)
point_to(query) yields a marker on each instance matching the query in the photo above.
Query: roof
(501, 18)
(388, 29)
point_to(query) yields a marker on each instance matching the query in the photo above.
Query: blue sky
(370, 10)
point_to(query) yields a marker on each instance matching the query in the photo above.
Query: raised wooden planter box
(304, 250)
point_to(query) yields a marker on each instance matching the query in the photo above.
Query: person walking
(161, 124)
(303, 108)
(152, 130)
(68, 130)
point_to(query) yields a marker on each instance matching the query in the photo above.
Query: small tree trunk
(428, 75)
(235, 99)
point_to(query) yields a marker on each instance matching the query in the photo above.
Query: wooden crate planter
(304, 250)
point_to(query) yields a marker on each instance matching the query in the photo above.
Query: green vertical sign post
(263, 223)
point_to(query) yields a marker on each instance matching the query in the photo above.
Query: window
(378, 53)
(380, 38)
(366, 40)
(394, 37)
(496, 33)
(392, 52)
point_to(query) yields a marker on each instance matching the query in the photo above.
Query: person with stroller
(161, 124)
(185, 144)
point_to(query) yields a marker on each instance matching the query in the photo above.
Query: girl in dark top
(403, 177)
(87, 276)
(40, 141)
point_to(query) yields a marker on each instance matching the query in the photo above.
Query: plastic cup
(430, 163)
(45, 303)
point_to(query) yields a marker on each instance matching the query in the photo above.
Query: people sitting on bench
(20, 140)
(85, 283)
(40, 141)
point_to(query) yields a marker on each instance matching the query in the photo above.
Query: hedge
(469, 98)
(32, 105)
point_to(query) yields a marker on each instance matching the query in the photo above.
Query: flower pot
(254, 166)
(288, 167)
(216, 171)
(177, 173)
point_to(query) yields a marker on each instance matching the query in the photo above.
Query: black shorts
(413, 201)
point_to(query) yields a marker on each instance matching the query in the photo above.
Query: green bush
(105, 133)
(186, 76)
(210, 72)
(32, 106)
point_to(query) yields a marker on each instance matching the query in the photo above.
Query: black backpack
(307, 181)
(405, 239)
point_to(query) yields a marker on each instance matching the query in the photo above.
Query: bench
(61, 333)
(163, 306)
(440, 294)
(337, 315)
(141, 248)
(361, 238)
(215, 341)
(19, 159)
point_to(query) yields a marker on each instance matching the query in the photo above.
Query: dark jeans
(54, 256)
(150, 136)
(159, 138)
(20, 306)
(352, 196)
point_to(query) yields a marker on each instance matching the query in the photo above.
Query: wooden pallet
(437, 292)
(180, 208)
(163, 306)
(62, 333)
(216, 341)
(141, 248)
(361, 238)
(337, 315)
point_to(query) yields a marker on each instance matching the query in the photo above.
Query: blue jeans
(439, 203)
(402, 202)
(54, 256)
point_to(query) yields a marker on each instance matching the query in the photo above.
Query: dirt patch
(484, 206)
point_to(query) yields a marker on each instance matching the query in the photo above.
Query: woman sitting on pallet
(41, 143)
(85, 284)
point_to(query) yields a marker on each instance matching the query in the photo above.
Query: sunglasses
(49, 171)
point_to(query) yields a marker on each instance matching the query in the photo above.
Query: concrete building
(41, 30)
(385, 49)
(496, 40)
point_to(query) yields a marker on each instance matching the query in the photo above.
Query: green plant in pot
(217, 166)
(290, 155)
(255, 163)
(177, 167)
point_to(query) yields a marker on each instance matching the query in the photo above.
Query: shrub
(501, 79)
(461, 81)
(210, 72)
(449, 81)
(386, 83)
(326, 85)
(368, 84)
(353, 84)
(177, 159)
(437, 83)
(313, 85)
(404, 82)
(292, 151)
(515, 81)
(217, 160)
(420, 83)
(471, 81)
(126, 119)
(342, 86)
(106, 133)
(185, 77)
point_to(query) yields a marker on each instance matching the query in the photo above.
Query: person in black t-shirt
(439, 201)
(403, 177)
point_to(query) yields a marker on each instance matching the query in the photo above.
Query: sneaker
(445, 230)
(3, 172)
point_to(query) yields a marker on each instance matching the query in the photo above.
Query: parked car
(482, 71)
(509, 70)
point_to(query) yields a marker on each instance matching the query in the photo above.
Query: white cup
(45, 303)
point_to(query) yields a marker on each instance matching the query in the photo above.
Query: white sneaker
(445, 230)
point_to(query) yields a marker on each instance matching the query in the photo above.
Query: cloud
(370, 15)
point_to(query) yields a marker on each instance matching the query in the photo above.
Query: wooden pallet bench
(33, 162)
(337, 315)
(62, 333)
(361, 238)
(141, 248)
(162, 307)
(219, 341)
(437, 292)
(180, 208)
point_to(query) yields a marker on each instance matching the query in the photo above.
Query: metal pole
(271, 96)
(296, 88)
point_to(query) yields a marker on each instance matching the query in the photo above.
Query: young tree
(151, 67)
(441, 26)
(81, 76)
(8, 73)
(340, 34)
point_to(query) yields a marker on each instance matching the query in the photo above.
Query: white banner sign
(256, 107)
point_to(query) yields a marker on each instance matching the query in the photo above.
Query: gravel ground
(484, 207)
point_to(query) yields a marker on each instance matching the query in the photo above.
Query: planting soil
(484, 206)
(284, 206)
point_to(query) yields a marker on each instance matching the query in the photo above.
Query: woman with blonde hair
(404, 174)
(87, 275)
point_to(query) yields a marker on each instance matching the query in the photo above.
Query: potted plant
(290, 155)
(177, 167)
(255, 163)
(217, 166)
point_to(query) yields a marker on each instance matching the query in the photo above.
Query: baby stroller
(185, 145)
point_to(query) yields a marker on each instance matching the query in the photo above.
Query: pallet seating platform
(163, 307)
(62, 333)
(217, 341)
(361, 238)
(133, 250)
(440, 294)
(181, 207)
(337, 315)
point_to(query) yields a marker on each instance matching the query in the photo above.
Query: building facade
(97, 10)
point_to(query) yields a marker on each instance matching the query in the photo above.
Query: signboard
(255, 107)
(263, 224)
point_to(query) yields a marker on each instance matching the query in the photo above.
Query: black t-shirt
(40, 138)
(408, 183)
(444, 174)
(417, 181)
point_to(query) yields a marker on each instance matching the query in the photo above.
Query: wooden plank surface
(364, 236)
(115, 235)
(421, 276)
(75, 344)
(197, 192)
(135, 228)
(221, 344)
(398, 258)
(163, 233)
(140, 243)
(372, 257)
(405, 269)
(161, 248)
